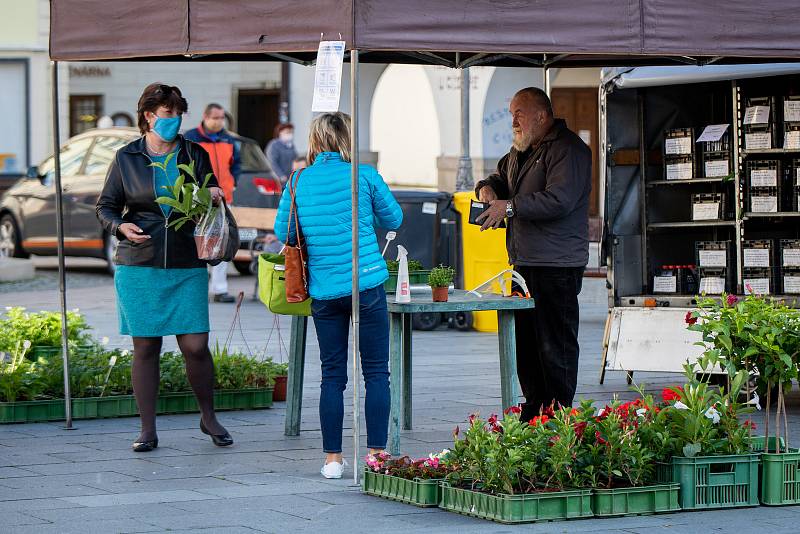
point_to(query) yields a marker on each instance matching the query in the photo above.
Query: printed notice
(665, 284)
(764, 204)
(679, 171)
(791, 257)
(756, 115)
(712, 132)
(705, 211)
(791, 140)
(716, 168)
(791, 284)
(713, 258)
(791, 110)
(756, 257)
(678, 145)
(712, 285)
(328, 76)
(758, 286)
(757, 141)
(763, 178)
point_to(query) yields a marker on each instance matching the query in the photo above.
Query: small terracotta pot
(439, 294)
(279, 393)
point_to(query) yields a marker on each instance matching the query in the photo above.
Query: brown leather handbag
(296, 257)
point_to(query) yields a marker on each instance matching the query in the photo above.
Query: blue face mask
(167, 128)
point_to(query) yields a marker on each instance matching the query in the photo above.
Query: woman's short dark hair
(156, 95)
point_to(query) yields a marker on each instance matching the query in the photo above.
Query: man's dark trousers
(547, 337)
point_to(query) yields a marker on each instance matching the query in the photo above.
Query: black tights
(199, 370)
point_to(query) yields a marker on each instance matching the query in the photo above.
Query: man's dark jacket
(550, 196)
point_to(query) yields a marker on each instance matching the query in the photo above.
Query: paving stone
(138, 498)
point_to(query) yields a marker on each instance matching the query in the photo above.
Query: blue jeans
(332, 322)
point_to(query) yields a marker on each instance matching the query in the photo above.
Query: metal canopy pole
(355, 312)
(62, 285)
(464, 180)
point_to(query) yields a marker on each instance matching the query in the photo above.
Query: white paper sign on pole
(712, 132)
(328, 76)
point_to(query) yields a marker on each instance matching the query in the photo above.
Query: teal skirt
(154, 302)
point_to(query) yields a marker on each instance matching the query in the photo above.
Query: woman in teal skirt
(162, 286)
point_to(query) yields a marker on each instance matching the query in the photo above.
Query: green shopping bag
(272, 287)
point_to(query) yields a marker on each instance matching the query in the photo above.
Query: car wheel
(10, 243)
(426, 321)
(109, 248)
(244, 268)
(462, 321)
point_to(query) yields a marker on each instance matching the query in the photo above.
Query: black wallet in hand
(476, 208)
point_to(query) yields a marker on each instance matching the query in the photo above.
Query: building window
(122, 119)
(84, 110)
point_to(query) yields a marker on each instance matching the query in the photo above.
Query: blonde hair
(329, 132)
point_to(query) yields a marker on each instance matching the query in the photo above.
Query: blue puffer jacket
(325, 213)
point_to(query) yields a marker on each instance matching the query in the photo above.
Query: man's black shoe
(224, 297)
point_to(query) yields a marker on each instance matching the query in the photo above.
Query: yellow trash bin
(484, 256)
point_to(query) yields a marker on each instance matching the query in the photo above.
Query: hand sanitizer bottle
(403, 291)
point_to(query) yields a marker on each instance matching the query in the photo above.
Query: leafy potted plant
(194, 203)
(280, 375)
(759, 336)
(413, 481)
(43, 331)
(416, 274)
(440, 279)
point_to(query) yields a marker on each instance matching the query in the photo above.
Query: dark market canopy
(456, 33)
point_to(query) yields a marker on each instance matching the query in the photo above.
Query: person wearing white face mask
(280, 151)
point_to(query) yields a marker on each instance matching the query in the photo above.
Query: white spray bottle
(403, 291)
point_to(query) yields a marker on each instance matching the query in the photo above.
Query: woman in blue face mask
(161, 284)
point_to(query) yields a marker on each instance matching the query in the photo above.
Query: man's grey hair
(540, 98)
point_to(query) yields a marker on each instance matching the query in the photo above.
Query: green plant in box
(413, 265)
(19, 379)
(41, 329)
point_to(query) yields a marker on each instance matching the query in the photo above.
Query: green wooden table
(400, 354)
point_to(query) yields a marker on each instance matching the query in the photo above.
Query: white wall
(405, 127)
(200, 83)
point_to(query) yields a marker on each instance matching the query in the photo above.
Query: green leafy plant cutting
(188, 198)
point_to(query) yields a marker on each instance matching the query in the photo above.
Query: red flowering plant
(699, 419)
(432, 467)
(496, 455)
(612, 451)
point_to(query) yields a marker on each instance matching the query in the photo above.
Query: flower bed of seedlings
(32, 375)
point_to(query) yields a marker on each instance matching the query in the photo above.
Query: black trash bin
(430, 234)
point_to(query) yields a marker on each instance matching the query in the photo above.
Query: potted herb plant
(440, 279)
(413, 481)
(280, 375)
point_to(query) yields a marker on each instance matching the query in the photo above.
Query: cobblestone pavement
(87, 480)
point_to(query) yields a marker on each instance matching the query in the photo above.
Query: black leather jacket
(129, 196)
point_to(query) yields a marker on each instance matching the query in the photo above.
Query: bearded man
(541, 189)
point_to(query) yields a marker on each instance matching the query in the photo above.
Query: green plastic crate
(635, 501)
(101, 407)
(182, 402)
(32, 411)
(780, 478)
(757, 443)
(419, 492)
(663, 473)
(717, 481)
(526, 508)
(414, 277)
(243, 399)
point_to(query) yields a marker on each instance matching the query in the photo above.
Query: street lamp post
(464, 180)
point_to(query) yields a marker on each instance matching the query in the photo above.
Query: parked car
(28, 209)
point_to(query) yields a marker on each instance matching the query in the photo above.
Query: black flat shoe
(220, 440)
(145, 446)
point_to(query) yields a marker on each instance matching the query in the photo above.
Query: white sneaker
(333, 469)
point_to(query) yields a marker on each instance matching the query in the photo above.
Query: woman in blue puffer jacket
(324, 210)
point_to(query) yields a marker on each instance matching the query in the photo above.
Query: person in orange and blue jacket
(223, 150)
